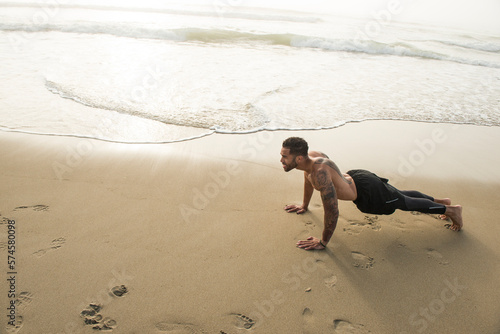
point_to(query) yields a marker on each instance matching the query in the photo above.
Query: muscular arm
(330, 204)
(323, 182)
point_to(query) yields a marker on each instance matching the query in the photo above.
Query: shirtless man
(370, 193)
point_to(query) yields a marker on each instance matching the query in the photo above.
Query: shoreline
(219, 132)
(197, 234)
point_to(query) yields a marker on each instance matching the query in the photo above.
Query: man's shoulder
(320, 163)
(322, 166)
(317, 154)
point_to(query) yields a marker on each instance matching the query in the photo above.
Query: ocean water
(171, 73)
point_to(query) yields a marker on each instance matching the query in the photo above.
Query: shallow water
(169, 74)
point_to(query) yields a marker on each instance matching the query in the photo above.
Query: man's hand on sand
(310, 243)
(295, 208)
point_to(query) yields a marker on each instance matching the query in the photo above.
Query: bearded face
(288, 161)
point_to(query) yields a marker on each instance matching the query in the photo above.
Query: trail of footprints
(363, 261)
(55, 244)
(339, 326)
(92, 313)
(24, 298)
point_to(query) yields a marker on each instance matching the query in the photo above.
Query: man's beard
(291, 166)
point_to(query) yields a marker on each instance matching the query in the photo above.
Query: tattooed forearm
(331, 218)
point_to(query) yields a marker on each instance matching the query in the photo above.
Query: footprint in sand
(241, 321)
(91, 314)
(92, 317)
(39, 207)
(331, 281)
(432, 253)
(345, 327)
(23, 300)
(307, 315)
(17, 327)
(55, 244)
(175, 328)
(362, 261)
(372, 222)
(107, 324)
(356, 226)
(119, 291)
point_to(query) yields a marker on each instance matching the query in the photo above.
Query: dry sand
(192, 237)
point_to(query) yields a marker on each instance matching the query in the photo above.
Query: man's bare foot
(444, 201)
(454, 212)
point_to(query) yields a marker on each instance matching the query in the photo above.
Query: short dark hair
(296, 145)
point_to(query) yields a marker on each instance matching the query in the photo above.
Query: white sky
(469, 14)
(475, 15)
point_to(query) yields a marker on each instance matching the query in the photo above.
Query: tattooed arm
(322, 181)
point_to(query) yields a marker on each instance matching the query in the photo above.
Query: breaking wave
(225, 36)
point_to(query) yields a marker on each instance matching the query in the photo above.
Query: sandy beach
(191, 237)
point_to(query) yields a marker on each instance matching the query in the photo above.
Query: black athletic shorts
(375, 195)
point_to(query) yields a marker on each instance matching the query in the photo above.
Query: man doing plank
(370, 193)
